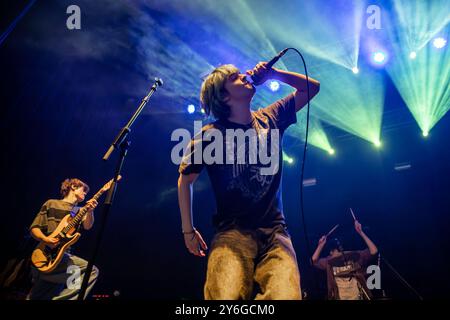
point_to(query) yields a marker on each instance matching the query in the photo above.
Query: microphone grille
(159, 81)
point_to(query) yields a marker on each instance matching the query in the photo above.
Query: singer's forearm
(185, 193)
(298, 81)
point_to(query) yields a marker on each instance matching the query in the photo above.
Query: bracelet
(190, 232)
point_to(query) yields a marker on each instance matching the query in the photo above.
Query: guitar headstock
(109, 183)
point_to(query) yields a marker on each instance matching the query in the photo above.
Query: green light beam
(422, 82)
(316, 137)
(421, 20)
(323, 29)
(353, 103)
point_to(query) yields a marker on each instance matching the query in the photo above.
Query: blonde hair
(213, 92)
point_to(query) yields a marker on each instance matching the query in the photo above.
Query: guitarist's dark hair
(67, 184)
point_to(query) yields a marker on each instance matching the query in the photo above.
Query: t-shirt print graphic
(247, 177)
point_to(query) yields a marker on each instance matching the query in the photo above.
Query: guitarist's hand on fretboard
(91, 204)
(88, 220)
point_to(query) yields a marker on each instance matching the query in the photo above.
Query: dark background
(59, 113)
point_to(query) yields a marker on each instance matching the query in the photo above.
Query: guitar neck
(82, 212)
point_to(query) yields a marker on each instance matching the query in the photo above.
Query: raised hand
(358, 227)
(260, 72)
(322, 241)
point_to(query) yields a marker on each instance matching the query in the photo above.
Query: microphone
(159, 81)
(255, 80)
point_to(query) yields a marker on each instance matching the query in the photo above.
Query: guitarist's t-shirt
(51, 214)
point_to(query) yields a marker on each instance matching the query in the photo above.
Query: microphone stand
(122, 143)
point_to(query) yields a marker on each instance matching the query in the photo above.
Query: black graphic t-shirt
(248, 193)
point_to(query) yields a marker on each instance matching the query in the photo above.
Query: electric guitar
(46, 258)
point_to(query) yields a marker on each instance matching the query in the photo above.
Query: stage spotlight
(355, 70)
(331, 151)
(379, 57)
(191, 108)
(413, 55)
(203, 111)
(377, 143)
(439, 43)
(274, 86)
(287, 158)
(425, 133)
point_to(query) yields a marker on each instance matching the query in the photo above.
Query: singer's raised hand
(260, 73)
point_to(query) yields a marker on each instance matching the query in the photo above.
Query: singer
(251, 254)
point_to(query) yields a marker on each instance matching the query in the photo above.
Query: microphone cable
(302, 171)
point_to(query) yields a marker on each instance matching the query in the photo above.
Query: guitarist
(60, 284)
